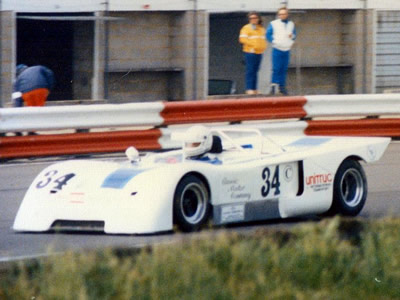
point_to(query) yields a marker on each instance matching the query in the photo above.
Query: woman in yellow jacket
(252, 37)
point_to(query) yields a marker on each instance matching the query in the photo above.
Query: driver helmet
(197, 141)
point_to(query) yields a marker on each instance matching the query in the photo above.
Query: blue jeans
(253, 62)
(280, 64)
(18, 102)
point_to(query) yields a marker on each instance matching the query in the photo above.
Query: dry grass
(335, 259)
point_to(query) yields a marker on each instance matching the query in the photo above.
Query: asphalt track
(15, 177)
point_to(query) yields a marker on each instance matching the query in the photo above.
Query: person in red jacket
(252, 37)
(34, 83)
(32, 86)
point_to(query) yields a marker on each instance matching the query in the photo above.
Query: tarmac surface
(16, 176)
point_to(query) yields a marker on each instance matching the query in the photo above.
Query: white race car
(221, 175)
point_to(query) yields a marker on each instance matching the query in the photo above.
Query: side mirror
(132, 154)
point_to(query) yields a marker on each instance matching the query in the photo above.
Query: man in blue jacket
(281, 33)
(33, 84)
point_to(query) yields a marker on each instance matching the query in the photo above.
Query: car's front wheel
(349, 189)
(191, 204)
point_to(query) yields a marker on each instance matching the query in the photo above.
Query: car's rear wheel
(349, 189)
(191, 204)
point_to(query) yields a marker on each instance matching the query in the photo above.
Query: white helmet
(198, 140)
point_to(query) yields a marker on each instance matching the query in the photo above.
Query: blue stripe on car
(309, 142)
(119, 178)
(247, 146)
(214, 161)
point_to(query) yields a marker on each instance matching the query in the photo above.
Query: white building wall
(208, 5)
(52, 5)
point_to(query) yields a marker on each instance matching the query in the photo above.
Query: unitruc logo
(317, 179)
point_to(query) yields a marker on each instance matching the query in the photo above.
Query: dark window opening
(50, 43)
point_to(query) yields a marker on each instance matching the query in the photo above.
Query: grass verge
(334, 259)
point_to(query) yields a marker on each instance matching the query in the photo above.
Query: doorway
(49, 43)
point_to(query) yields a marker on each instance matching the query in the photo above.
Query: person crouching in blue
(281, 33)
(252, 37)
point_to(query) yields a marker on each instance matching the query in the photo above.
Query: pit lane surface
(16, 176)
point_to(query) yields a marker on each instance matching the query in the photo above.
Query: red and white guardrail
(377, 115)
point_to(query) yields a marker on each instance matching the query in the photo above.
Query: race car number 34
(271, 182)
(53, 179)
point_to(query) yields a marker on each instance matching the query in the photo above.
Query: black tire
(191, 204)
(349, 189)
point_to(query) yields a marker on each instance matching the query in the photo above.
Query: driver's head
(198, 140)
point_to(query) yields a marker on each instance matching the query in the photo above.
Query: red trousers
(36, 97)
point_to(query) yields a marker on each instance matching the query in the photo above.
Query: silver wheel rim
(352, 187)
(193, 203)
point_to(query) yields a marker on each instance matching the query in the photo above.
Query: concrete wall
(319, 40)
(190, 54)
(7, 56)
(83, 45)
(334, 42)
(319, 64)
(151, 56)
(359, 48)
(387, 65)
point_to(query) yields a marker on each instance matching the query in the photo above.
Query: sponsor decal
(232, 213)
(319, 182)
(236, 190)
(288, 172)
(240, 196)
(173, 159)
(228, 181)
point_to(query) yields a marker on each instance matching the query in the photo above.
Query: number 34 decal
(55, 180)
(270, 183)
